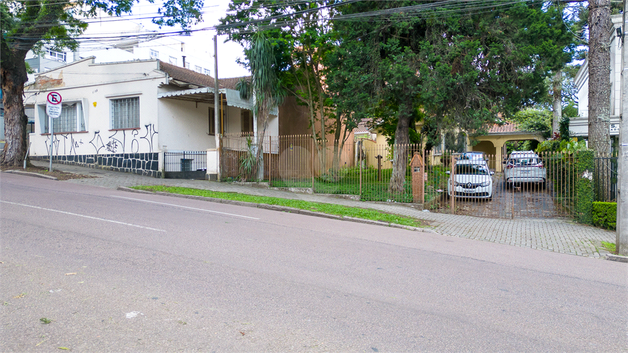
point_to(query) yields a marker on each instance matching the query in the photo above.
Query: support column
(499, 146)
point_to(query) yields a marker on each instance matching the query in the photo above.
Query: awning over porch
(203, 94)
(206, 95)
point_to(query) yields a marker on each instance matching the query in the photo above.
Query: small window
(206, 72)
(70, 120)
(188, 65)
(198, 69)
(246, 119)
(125, 113)
(212, 120)
(55, 55)
(154, 54)
(172, 60)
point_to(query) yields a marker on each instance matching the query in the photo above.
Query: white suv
(472, 179)
(524, 167)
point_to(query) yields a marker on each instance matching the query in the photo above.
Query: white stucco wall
(184, 126)
(87, 83)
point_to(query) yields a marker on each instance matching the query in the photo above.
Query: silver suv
(525, 167)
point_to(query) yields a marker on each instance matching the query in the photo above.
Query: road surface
(95, 269)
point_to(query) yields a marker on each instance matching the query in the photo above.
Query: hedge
(605, 214)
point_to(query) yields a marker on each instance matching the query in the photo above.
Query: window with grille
(206, 72)
(198, 69)
(70, 120)
(246, 120)
(125, 113)
(154, 54)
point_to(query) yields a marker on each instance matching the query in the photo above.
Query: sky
(200, 43)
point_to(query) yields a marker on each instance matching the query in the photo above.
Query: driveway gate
(186, 165)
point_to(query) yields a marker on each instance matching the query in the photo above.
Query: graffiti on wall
(120, 141)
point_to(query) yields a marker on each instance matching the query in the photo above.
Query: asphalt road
(116, 271)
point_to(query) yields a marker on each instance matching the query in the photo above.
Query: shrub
(604, 214)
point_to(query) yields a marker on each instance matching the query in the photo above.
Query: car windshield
(523, 162)
(471, 169)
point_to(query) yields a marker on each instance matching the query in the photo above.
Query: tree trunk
(599, 76)
(13, 75)
(400, 152)
(557, 88)
(600, 89)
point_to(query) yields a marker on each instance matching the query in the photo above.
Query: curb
(282, 209)
(618, 258)
(31, 174)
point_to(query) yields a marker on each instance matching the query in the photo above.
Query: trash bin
(186, 164)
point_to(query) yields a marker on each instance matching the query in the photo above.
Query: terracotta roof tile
(230, 83)
(507, 127)
(195, 78)
(186, 75)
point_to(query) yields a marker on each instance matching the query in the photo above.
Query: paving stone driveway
(558, 235)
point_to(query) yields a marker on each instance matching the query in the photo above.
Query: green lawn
(331, 209)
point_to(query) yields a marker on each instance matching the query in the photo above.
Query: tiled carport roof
(505, 128)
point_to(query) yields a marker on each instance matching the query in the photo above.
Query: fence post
(270, 160)
(313, 146)
(424, 176)
(585, 164)
(360, 163)
(452, 184)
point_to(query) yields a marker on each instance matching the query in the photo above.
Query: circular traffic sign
(54, 98)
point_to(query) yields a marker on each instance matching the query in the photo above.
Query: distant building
(579, 126)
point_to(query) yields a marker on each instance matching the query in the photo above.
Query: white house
(125, 115)
(580, 126)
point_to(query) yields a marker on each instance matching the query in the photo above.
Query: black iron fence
(605, 180)
(185, 164)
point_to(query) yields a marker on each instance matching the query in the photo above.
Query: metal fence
(185, 164)
(605, 178)
(522, 184)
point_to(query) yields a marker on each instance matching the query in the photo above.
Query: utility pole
(217, 130)
(622, 170)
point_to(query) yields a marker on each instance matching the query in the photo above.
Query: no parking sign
(53, 104)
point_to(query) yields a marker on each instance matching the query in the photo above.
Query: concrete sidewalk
(556, 235)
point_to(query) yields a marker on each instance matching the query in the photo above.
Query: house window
(212, 120)
(246, 120)
(206, 72)
(172, 60)
(125, 113)
(70, 120)
(154, 54)
(188, 65)
(198, 69)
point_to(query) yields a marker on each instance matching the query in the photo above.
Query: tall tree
(599, 61)
(461, 70)
(30, 24)
(301, 34)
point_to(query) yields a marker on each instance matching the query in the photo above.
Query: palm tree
(265, 87)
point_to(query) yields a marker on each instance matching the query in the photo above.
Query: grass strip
(326, 208)
(610, 247)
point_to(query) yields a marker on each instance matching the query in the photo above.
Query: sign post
(53, 110)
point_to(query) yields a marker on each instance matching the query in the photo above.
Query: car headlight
(486, 183)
